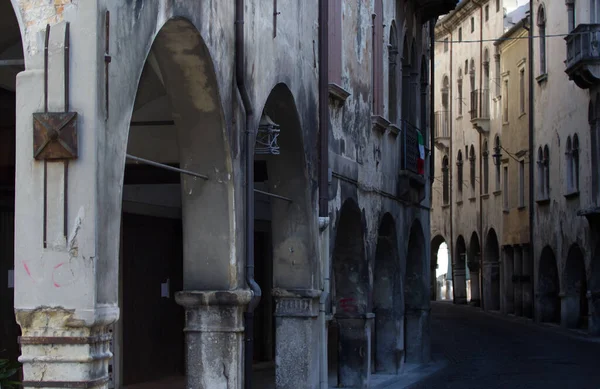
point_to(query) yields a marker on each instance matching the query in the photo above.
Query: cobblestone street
(489, 351)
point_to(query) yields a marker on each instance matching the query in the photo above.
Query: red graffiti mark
(56, 285)
(28, 271)
(348, 305)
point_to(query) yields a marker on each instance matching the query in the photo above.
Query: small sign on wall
(11, 279)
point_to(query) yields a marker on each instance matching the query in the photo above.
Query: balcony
(480, 110)
(583, 55)
(442, 130)
(433, 8)
(411, 182)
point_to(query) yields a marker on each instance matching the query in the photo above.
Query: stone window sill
(522, 114)
(572, 194)
(543, 201)
(459, 202)
(506, 211)
(522, 208)
(485, 196)
(445, 206)
(338, 93)
(379, 123)
(459, 117)
(497, 193)
(472, 199)
(542, 78)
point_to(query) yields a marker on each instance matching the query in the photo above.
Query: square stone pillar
(418, 343)
(594, 308)
(569, 310)
(214, 330)
(354, 350)
(509, 290)
(527, 282)
(459, 281)
(296, 339)
(517, 277)
(474, 266)
(491, 280)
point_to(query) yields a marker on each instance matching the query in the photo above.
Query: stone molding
(199, 298)
(296, 302)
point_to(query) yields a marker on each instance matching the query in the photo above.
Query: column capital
(191, 299)
(296, 302)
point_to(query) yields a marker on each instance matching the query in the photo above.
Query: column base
(296, 348)
(354, 350)
(417, 336)
(214, 334)
(60, 350)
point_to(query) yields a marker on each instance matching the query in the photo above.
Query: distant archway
(435, 286)
(416, 295)
(575, 304)
(387, 299)
(548, 287)
(491, 275)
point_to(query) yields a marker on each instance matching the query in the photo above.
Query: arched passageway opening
(11, 56)
(474, 264)
(387, 299)
(284, 246)
(461, 275)
(174, 226)
(349, 334)
(548, 287)
(441, 270)
(575, 304)
(416, 297)
(491, 272)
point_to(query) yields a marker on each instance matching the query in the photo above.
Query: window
(445, 180)
(459, 175)
(521, 183)
(522, 99)
(497, 5)
(460, 34)
(486, 168)
(593, 110)
(472, 163)
(572, 164)
(541, 175)
(575, 162)
(546, 164)
(541, 22)
(472, 24)
(487, 13)
(505, 102)
(569, 165)
(595, 11)
(446, 44)
(392, 75)
(571, 14)
(377, 60)
(335, 42)
(505, 189)
(460, 93)
(497, 160)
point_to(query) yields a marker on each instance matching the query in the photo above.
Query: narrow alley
(486, 350)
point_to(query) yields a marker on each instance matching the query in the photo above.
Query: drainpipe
(323, 180)
(451, 163)
(249, 189)
(531, 148)
(481, 236)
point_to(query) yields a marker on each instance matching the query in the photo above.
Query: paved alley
(488, 351)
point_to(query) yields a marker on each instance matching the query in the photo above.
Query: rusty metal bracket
(55, 133)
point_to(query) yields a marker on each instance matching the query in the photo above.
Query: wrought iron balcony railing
(442, 124)
(583, 55)
(480, 104)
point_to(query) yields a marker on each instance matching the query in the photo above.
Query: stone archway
(460, 271)
(286, 269)
(474, 263)
(436, 286)
(491, 272)
(416, 298)
(177, 120)
(387, 299)
(548, 287)
(350, 346)
(574, 305)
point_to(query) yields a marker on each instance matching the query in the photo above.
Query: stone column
(517, 274)
(296, 339)
(459, 281)
(509, 295)
(490, 285)
(475, 283)
(527, 282)
(570, 307)
(418, 343)
(434, 288)
(354, 350)
(214, 336)
(594, 308)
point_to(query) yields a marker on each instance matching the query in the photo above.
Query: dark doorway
(491, 276)
(549, 288)
(576, 304)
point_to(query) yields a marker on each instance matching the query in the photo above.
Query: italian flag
(421, 159)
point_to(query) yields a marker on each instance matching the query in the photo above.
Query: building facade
(230, 192)
(566, 142)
